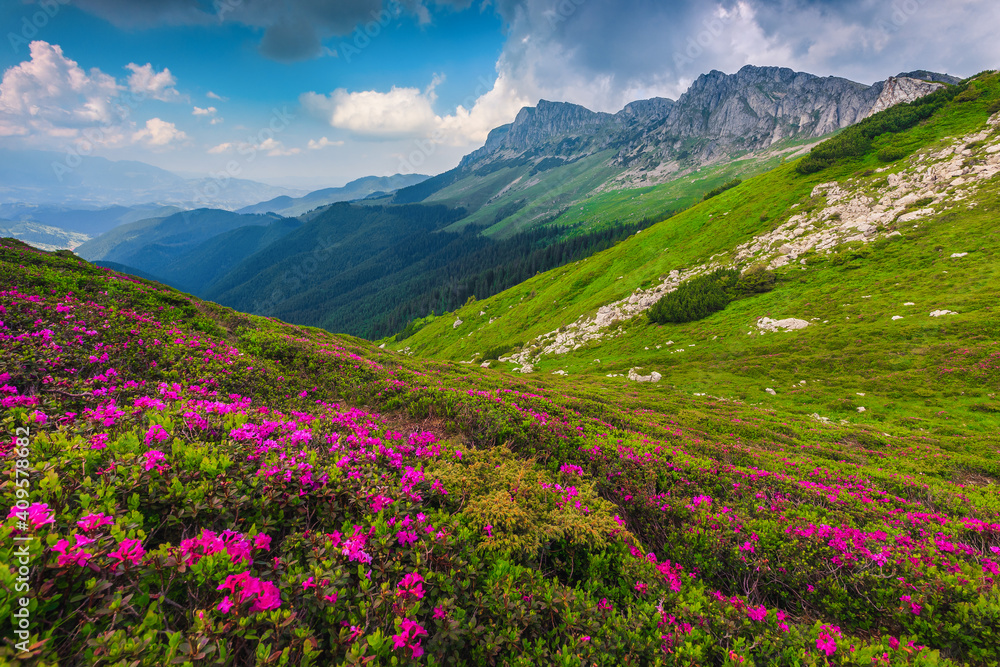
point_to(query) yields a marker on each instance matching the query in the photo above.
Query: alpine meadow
(681, 368)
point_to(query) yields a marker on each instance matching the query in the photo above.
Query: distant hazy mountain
(89, 222)
(154, 245)
(358, 189)
(43, 177)
(41, 236)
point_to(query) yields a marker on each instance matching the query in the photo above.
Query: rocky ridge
(931, 181)
(719, 116)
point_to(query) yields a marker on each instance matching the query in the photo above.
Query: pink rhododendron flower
(411, 586)
(409, 633)
(826, 643)
(154, 460)
(71, 554)
(92, 521)
(245, 588)
(129, 550)
(38, 515)
(156, 433)
(757, 613)
(98, 441)
(893, 643)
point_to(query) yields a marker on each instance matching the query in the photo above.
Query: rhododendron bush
(208, 487)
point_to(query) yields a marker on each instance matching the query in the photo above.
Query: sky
(315, 93)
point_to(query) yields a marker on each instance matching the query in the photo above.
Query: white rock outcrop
(457, 324)
(771, 391)
(855, 210)
(787, 324)
(635, 377)
(939, 313)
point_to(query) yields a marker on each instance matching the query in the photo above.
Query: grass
(860, 349)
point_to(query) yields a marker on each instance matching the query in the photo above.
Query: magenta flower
(409, 633)
(225, 605)
(92, 521)
(826, 643)
(70, 554)
(154, 459)
(156, 433)
(757, 613)
(262, 595)
(129, 550)
(411, 586)
(98, 441)
(38, 515)
(440, 613)
(893, 643)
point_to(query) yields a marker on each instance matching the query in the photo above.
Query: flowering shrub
(211, 488)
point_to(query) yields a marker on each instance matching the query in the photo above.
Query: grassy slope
(898, 365)
(519, 578)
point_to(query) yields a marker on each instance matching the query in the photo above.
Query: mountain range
(556, 154)
(537, 194)
(760, 431)
(81, 182)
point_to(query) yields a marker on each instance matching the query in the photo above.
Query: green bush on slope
(700, 297)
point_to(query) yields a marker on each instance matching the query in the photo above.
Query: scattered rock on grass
(635, 377)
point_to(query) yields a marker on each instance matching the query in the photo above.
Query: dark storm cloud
(631, 47)
(601, 52)
(293, 29)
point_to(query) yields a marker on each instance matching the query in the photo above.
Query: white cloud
(144, 80)
(409, 112)
(275, 148)
(159, 133)
(50, 97)
(401, 112)
(226, 147)
(198, 111)
(323, 142)
(214, 96)
(215, 121)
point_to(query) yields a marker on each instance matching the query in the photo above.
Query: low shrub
(722, 188)
(891, 154)
(696, 298)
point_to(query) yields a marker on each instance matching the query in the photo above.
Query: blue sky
(321, 92)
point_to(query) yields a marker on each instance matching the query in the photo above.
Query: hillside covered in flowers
(205, 487)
